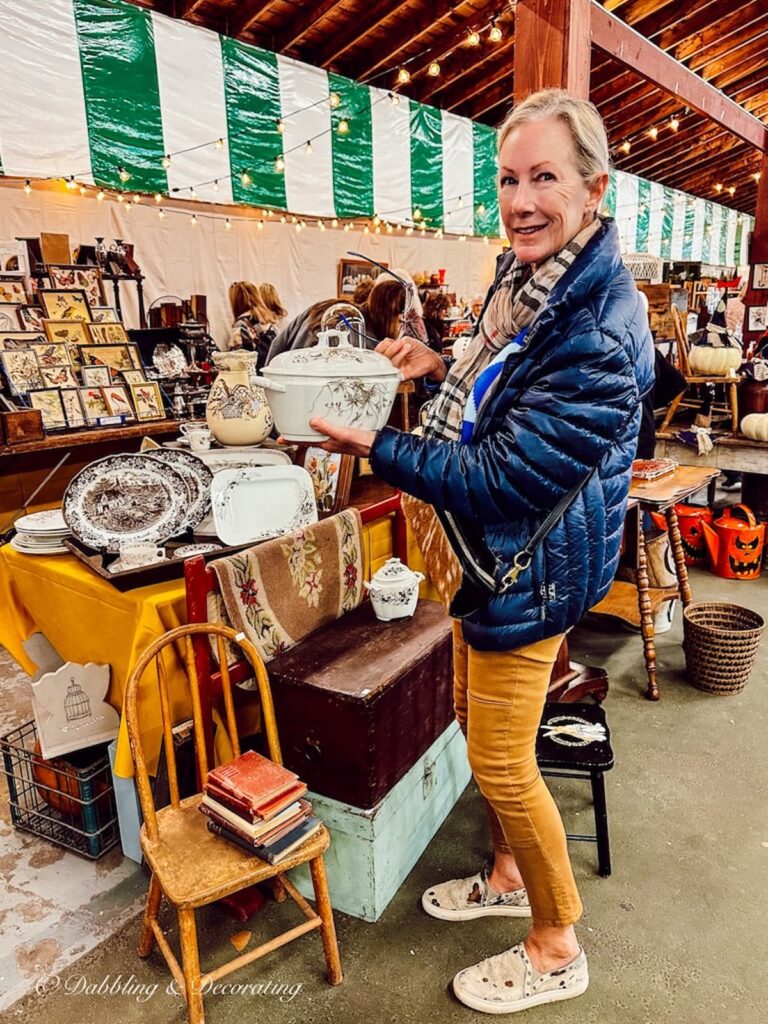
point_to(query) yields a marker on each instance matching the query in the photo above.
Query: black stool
(574, 742)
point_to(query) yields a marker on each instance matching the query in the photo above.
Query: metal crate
(68, 800)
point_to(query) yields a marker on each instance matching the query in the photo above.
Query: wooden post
(758, 253)
(552, 47)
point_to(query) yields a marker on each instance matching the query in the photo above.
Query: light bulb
(485, 239)
(423, 230)
(71, 183)
(343, 127)
(434, 69)
(280, 125)
(218, 144)
(757, 175)
(158, 197)
(120, 198)
(216, 186)
(389, 229)
(192, 194)
(378, 229)
(99, 195)
(461, 201)
(297, 228)
(294, 220)
(135, 199)
(122, 174)
(282, 218)
(193, 221)
(128, 206)
(403, 76)
(27, 187)
(161, 213)
(409, 231)
(732, 189)
(394, 99)
(83, 190)
(260, 225)
(308, 146)
(279, 165)
(166, 161)
(495, 34)
(674, 123)
(626, 145)
(462, 238)
(481, 209)
(653, 132)
(334, 223)
(377, 220)
(245, 178)
(366, 230)
(321, 225)
(417, 214)
(473, 38)
(718, 187)
(228, 224)
(334, 99)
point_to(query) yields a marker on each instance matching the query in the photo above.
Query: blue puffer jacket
(569, 403)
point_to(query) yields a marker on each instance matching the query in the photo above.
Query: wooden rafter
(246, 14)
(712, 32)
(688, 31)
(297, 27)
(355, 32)
(188, 7)
(466, 80)
(638, 53)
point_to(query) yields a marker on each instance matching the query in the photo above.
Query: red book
(252, 779)
(245, 808)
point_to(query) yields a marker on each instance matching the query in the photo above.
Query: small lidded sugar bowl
(394, 590)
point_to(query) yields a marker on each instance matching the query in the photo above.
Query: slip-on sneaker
(509, 982)
(464, 899)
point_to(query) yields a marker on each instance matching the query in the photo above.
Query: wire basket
(68, 800)
(720, 643)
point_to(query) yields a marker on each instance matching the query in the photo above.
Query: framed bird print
(107, 334)
(96, 376)
(48, 401)
(65, 304)
(73, 332)
(73, 407)
(147, 401)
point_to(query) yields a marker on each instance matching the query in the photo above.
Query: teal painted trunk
(373, 851)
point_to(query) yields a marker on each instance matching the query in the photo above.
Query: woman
(412, 322)
(545, 400)
(302, 330)
(436, 306)
(253, 328)
(271, 302)
(383, 311)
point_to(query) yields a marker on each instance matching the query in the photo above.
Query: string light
(653, 132)
(193, 221)
(166, 161)
(216, 185)
(473, 38)
(192, 194)
(161, 213)
(434, 69)
(674, 123)
(135, 199)
(377, 220)
(120, 197)
(308, 146)
(481, 209)
(218, 144)
(122, 174)
(334, 223)
(27, 187)
(280, 125)
(626, 146)
(343, 126)
(394, 99)
(334, 99)
(71, 183)
(409, 231)
(732, 190)
(83, 190)
(99, 195)
(417, 214)
(260, 225)
(757, 175)
(282, 218)
(158, 197)
(719, 187)
(228, 224)
(321, 225)
(366, 230)
(245, 178)
(403, 76)
(495, 34)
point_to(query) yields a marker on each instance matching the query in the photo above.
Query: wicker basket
(720, 643)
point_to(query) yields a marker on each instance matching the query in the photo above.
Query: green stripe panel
(690, 216)
(122, 97)
(643, 214)
(666, 223)
(609, 200)
(427, 163)
(353, 152)
(485, 174)
(252, 94)
(724, 226)
(737, 244)
(707, 246)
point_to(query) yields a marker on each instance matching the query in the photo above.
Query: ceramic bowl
(348, 386)
(394, 590)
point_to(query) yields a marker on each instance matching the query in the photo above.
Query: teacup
(198, 435)
(132, 556)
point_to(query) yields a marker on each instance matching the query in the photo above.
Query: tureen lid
(393, 571)
(324, 360)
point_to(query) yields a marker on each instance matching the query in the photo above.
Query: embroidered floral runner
(281, 591)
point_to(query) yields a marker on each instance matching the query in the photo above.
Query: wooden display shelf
(99, 435)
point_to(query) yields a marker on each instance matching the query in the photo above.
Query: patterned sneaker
(509, 982)
(464, 899)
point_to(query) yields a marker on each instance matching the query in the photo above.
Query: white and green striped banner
(93, 86)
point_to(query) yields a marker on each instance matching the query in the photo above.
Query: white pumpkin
(714, 362)
(755, 426)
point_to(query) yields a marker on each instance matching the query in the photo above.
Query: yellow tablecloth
(86, 619)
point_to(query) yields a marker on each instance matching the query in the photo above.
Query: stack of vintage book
(258, 805)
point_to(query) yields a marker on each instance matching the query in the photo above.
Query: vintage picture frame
(133, 376)
(18, 339)
(147, 401)
(9, 316)
(118, 357)
(73, 407)
(12, 290)
(107, 334)
(118, 403)
(73, 332)
(757, 318)
(96, 376)
(48, 401)
(94, 405)
(50, 353)
(104, 315)
(351, 273)
(65, 304)
(65, 276)
(59, 375)
(31, 319)
(331, 474)
(21, 371)
(760, 276)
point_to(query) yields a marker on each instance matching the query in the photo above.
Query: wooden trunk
(360, 701)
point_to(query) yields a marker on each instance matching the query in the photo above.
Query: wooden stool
(565, 749)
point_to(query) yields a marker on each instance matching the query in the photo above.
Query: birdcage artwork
(76, 703)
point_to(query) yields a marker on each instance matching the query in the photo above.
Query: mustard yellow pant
(499, 698)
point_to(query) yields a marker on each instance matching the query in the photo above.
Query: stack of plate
(41, 533)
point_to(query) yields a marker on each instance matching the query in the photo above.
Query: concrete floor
(677, 933)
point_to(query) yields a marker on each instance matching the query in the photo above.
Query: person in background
(475, 309)
(302, 330)
(412, 323)
(361, 292)
(735, 311)
(253, 328)
(383, 311)
(436, 308)
(271, 302)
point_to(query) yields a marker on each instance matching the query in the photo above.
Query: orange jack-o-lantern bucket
(690, 519)
(735, 544)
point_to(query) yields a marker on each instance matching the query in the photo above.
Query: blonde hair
(271, 302)
(580, 117)
(244, 297)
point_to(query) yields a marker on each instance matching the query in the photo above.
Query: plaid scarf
(520, 297)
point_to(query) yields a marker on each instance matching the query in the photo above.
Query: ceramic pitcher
(237, 411)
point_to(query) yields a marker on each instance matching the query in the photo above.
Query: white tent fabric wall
(180, 259)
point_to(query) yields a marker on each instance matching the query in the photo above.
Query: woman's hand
(346, 440)
(413, 358)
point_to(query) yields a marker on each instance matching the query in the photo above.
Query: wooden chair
(190, 866)
(687, 399)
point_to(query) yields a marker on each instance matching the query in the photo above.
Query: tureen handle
(268, 385)
(373, 587)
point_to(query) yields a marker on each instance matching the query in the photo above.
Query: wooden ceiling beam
(691, 32)
(727, 67)
(620, 128)
(469, 59)
(501, 92)
(463, 94)
(714, 31)
(414, 27)
(719, 55)
(460, 81)
(735, 172)
(742, 73)
(187, 7)
(648, 158)
(637, 53)
(360, 28)
(703, 172)
(247, 14)
(297, 27)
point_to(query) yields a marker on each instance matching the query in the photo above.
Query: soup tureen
(348, 386)
(394, 590)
